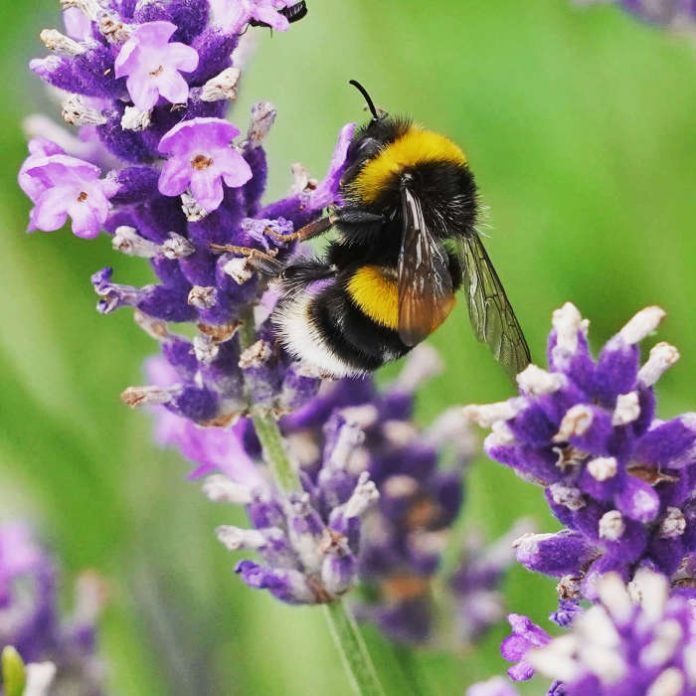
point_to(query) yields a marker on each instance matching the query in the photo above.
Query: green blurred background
(579, 126)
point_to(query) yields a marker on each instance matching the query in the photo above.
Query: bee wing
(426, 295)
(491, 314)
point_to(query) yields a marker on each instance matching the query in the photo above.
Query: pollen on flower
(627, 409)
(576, 421)
(602, 468)
(202, 297)
(201, 162)
(617, 477)
(611, 525)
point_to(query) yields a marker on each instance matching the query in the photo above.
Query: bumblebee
(406, 242)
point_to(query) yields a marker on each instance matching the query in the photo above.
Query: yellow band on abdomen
(376, 294)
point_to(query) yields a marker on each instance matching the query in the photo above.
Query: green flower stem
(274, 453)
(349, 641)
(345, 632)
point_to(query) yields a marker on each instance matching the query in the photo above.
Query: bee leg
(343, 216)
(263, 262)
(297, 276)
(357, 216)
(313, 229)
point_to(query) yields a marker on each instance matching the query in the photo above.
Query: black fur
(352, 335)
(371, 234)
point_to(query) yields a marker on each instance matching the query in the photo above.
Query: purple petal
(155, 33)
(207, 190)
(554, 554)
(669, 445)
(50, 212)
(88, 217)
(197, 133)
(172, 86)
(236, 169)
(175, 177)
(181, 57)
(143, 91)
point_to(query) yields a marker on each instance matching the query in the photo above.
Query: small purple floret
(525, 636)
(201, 157)
(153, 66)
(61, 186)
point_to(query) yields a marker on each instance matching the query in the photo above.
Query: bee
(293, 13)
(407, 241)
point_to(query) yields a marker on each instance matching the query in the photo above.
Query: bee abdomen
(326, 329)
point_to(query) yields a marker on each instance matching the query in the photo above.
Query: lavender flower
(201, 157)
(348, 431)
(153, 66)
(676, 14)
(62, 652)
(155, 167)
(62, 186)
(636, 640)
(308, 540)
(618, 478)
(405, 532)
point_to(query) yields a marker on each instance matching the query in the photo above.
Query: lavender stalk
(344, 630)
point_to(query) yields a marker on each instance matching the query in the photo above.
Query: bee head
(372, 137)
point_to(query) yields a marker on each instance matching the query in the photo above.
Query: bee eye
(367, 148)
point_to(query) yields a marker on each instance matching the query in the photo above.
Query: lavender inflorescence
(61, 652)
(379, 496)
(156, 166)
(419, 499)
(637, 640)
(619, 479)
(622, 482)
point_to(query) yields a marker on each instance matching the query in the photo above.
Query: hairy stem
(274, 451)
(350, 644)
(345, 632)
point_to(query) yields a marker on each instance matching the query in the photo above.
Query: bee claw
(270, 232)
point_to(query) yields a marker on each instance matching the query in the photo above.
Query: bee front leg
(313, 229)
(262, 261)
(337, 216)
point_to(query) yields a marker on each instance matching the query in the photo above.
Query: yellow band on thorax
(414, 147)
(376, 294)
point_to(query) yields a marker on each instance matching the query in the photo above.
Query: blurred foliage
(579, 126)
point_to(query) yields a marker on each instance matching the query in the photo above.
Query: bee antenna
(367, 97)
